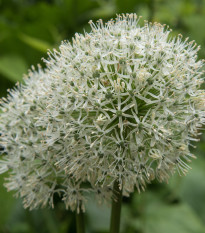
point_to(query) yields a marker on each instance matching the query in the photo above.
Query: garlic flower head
(122, 102)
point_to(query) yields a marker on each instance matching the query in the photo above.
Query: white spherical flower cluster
(122, 102)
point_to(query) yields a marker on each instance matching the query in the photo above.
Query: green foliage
(7, 202)
(27, 29)
(159, 215)
(13, 66)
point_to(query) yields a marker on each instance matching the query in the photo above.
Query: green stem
(80, 225)
(116, 209)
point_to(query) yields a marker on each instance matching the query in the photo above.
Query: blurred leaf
(127, 6)
(188, 8)
(171, 218)
(156, 215)
(21, 227)
(18, 221)
(86, 5)
(13, 67)
(50, 220)
(106, 10)
(98, 216)
(23, 221)
(192, 187)
(7, 201)
(191, 22)
(35, 43)
(168, 12)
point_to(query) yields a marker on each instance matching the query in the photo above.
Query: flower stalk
(80, 222)
(116, 209)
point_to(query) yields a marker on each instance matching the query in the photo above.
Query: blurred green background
(27, 29)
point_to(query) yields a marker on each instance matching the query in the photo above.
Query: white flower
(122, 102)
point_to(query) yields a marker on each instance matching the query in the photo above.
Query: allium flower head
(122, 102)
